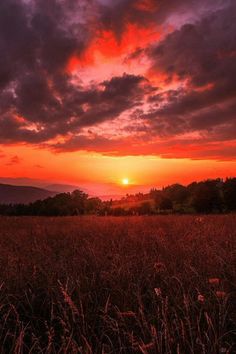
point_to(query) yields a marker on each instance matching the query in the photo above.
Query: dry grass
(117, 285)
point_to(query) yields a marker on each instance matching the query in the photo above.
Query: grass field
(161, 284)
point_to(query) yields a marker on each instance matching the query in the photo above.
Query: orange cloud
(106, 45)
(204, 88)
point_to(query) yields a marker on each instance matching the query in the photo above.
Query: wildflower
(201, 298)
(199, 219)
(221, 294)
(157, 291)
(214, 281)
(159, 267)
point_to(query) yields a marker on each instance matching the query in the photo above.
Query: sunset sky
(95, 91)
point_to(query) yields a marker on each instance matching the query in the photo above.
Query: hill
(22, 194)
(63, 188)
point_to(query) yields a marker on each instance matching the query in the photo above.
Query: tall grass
(161, 284)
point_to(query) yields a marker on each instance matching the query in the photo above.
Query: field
(161, 284)
(129, 204)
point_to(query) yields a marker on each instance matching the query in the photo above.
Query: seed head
(201, 298)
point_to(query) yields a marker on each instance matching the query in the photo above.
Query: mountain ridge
(11, 194)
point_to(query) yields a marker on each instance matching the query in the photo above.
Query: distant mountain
(24, 181)
(22, 194)
(63, 188)
(53, 187)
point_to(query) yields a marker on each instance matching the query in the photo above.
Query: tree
(145, 208)
(93, 205)
(166, 204)
(79, 199)
(229, 193)
(177, 193)
(206, 196)
(157, 195)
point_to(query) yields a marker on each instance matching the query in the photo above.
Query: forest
(204, 197)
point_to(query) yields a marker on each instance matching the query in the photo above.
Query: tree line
(210, 196)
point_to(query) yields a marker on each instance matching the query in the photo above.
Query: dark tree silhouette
(166, 204)
(177, 193)
(206, 196)
(229, 193)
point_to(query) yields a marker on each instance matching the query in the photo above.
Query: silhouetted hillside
(22, 194)
(62, 188)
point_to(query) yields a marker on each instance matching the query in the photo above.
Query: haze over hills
(22, 194)
(42, 184)
(17, 194)
(103, 191)
(24, 181)
(64, 188)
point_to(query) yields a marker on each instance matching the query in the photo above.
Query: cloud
(200, 148)
(39, 99)
(2, 155)
(200, 60)
(36, 41)
(115, 15)
(189, 88)
(199, 52)
(15, 160)
(45, 118)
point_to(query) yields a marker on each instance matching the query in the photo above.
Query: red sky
(92, 92)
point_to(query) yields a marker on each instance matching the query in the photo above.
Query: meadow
(150, 284)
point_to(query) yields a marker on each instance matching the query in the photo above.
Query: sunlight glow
(125, 181)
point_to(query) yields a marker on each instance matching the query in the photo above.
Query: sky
(95, 91)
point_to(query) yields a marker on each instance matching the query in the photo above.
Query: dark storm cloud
(203, 52)
(116, 14)
(204, 55)
(77, 108)
(36, 42)
(35, 36)
(39, 100)
(117, 95)
(37, 39)
(88, 143)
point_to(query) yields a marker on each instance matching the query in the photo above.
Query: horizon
(116, 187)
(104, 192)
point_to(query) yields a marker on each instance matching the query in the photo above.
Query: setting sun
(125, 181)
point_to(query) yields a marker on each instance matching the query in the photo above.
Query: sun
(125, 181)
